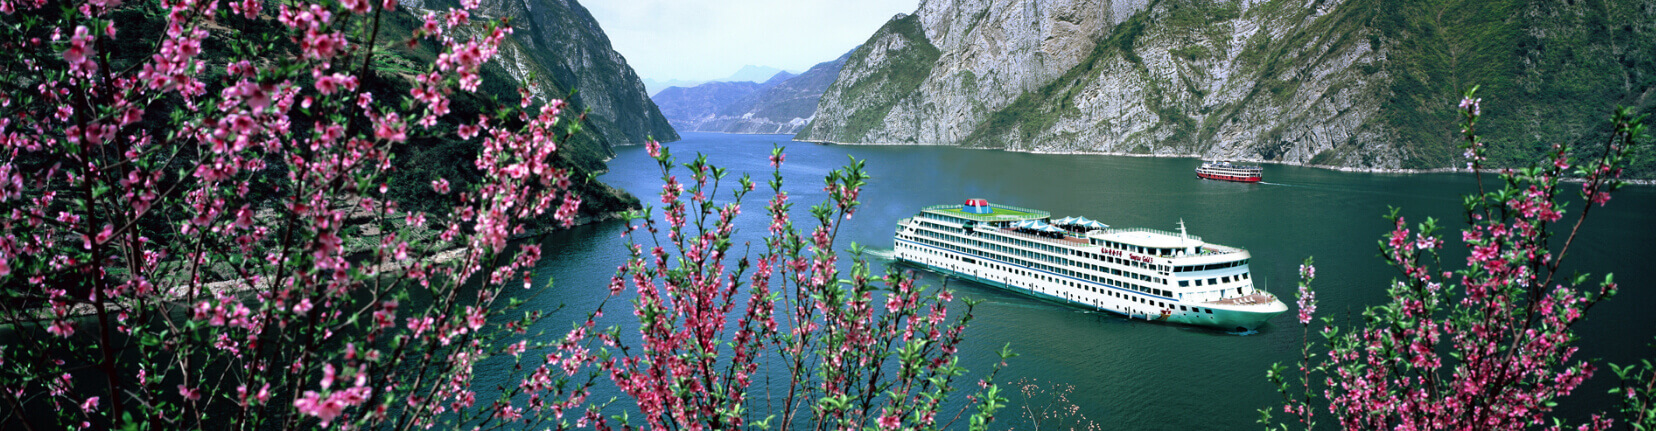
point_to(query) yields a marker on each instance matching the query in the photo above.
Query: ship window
(1227, 279)
(1213, 280)
(1184, 283)
(1245, 276)
(1198, 282)
(1181, 308)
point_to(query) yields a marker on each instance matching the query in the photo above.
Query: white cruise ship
(1141, 273)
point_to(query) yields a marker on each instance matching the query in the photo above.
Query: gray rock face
(562, 47)
(782, 105)
(1352, 83)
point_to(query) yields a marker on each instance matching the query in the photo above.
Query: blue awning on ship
(1080, 222)
(1094, 224)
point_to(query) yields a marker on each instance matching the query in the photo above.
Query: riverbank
(441, 254)
(1641, 182)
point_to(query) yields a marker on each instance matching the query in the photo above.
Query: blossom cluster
(707, 319)
(1487, 345)
(201, 230)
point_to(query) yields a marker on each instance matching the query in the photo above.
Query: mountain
(561, 43)
(1367, 84)
(694, 109)
(785, 107)
(557, 47)
(781, 105)
(751, 73)
(652, 86)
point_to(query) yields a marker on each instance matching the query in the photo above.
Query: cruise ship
(1228, 171)
(1140, 273)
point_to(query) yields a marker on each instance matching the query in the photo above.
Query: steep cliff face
(558, 46)
(782, 105)
(1354, 83)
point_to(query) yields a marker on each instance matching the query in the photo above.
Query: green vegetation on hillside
(1545, 69)
(903, 72)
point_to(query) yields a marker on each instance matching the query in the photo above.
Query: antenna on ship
(1184, 239)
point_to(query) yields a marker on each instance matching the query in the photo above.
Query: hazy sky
(711, 39)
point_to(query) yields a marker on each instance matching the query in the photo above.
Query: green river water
(1133, 374)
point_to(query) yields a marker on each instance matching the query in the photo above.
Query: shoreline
(1400, 171)
(448, 253)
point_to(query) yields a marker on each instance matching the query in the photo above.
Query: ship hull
(1222, 177)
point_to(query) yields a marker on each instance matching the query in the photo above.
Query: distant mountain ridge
(652, 86)
(751, 73)
(1369, 84)
(783, 104)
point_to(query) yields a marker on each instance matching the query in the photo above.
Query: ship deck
(1064, 238)
(1251, 299)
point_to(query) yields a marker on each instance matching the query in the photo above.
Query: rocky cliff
(1355, 83)
(558, 47)
(782, 105)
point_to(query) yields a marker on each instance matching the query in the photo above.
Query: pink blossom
(61, 328)
(189, 393)
(890, 422)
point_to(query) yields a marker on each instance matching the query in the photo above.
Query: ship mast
(1184, 239)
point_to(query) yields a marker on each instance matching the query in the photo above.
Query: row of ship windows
(1215, 280)
(950, 219)
(1063, 263)
(1109, 259)
(1036, 265)
(949, 241)
(1221, 265)
(1139, 249)
(1083, 286)
(993, 245)
(1098, 256)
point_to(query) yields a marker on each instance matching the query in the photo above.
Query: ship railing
(1146, 230)
(1219, 249)
(1038, 238)
(976, 217)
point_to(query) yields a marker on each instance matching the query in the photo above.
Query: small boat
(1227, 171)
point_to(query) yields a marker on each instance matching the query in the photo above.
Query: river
(1133, 374)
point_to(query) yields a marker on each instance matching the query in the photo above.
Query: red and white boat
(1226, 171)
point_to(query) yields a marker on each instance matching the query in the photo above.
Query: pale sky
(711, 39)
